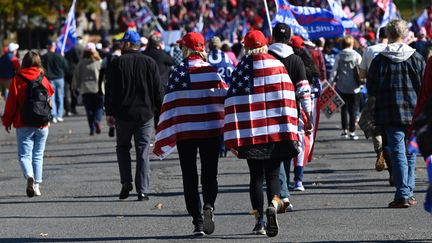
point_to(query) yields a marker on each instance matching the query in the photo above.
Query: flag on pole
(389, 14)
(192, 107)
(309, 22)
(68, 37)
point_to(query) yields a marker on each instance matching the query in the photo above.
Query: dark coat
(133, 88)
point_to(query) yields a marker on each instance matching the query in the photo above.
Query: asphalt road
(345, 198)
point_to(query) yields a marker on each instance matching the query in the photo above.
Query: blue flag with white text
(309, 22)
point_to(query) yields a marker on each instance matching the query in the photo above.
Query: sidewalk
(345, 198)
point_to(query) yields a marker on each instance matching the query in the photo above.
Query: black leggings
(350, 109)
(209, 156)
(258, 169)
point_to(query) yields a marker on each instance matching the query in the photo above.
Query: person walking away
(224, 66)
(31, 127)
(377, 134)
(73, 56)
(56, 67)
(261, 125)
(9, 66)
(134, 92)
(116, 52)
(155, 50)
(343, 78)
(394, 78)
(192, 118)
(306, 119)
(86, 78)
(296, 69)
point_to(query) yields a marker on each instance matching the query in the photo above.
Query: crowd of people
(260, 103)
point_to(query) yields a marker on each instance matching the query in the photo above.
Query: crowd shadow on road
(377, 241)
(183, 238)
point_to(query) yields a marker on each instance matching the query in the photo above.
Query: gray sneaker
(209, 223)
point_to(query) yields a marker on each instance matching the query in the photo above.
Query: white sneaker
(353, 136)
(60, 119)
(36, 189)
(54, 120)
(298, 186)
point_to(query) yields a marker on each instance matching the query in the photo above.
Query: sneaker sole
(30, 191)
(299, 189)
(198, 234)
(272, 223)
(209, 225)
(259, 232)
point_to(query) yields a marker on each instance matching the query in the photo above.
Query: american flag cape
(193, 105)
(261, 105)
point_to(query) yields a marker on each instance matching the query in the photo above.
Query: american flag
(193, 105)
(261, 104)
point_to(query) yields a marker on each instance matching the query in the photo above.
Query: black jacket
(133, 88)
(164, 61)
(55, 65)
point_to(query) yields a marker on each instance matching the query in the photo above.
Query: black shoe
(126, 188)
(199, 230)
(259, 228)
(399, 203)
(272, 223)
(143, 197)
(209, 223)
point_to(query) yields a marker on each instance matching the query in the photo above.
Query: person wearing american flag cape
(261, 125)
(191, 117)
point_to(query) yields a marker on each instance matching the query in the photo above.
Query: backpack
(36, 110)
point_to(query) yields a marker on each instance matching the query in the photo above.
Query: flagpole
(268, 17)
(67, 27)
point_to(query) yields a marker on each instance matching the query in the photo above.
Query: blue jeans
(31, 146)
(284, 176)
(93, 104)
(403, 163)
(57, 102)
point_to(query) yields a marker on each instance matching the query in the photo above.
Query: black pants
(209, 156)
(350, 108)
(259, 169)
(141, 132)
(70, 96)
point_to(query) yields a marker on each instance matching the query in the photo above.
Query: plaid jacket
(395, 86)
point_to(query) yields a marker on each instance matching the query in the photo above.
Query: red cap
(297, 41)
(193, 40)
(255, 39)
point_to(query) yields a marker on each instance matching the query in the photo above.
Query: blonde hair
(347, 41)
(188, 52)
(263, 49)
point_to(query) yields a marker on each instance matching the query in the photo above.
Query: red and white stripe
(192, 114)
(269, 114)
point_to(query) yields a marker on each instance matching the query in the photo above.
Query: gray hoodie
(303, 89)
(282, 50)
(342, 72)
(398, 52)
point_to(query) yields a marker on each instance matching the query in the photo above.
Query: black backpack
(36, 110)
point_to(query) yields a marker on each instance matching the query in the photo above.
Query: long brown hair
(32, 59)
